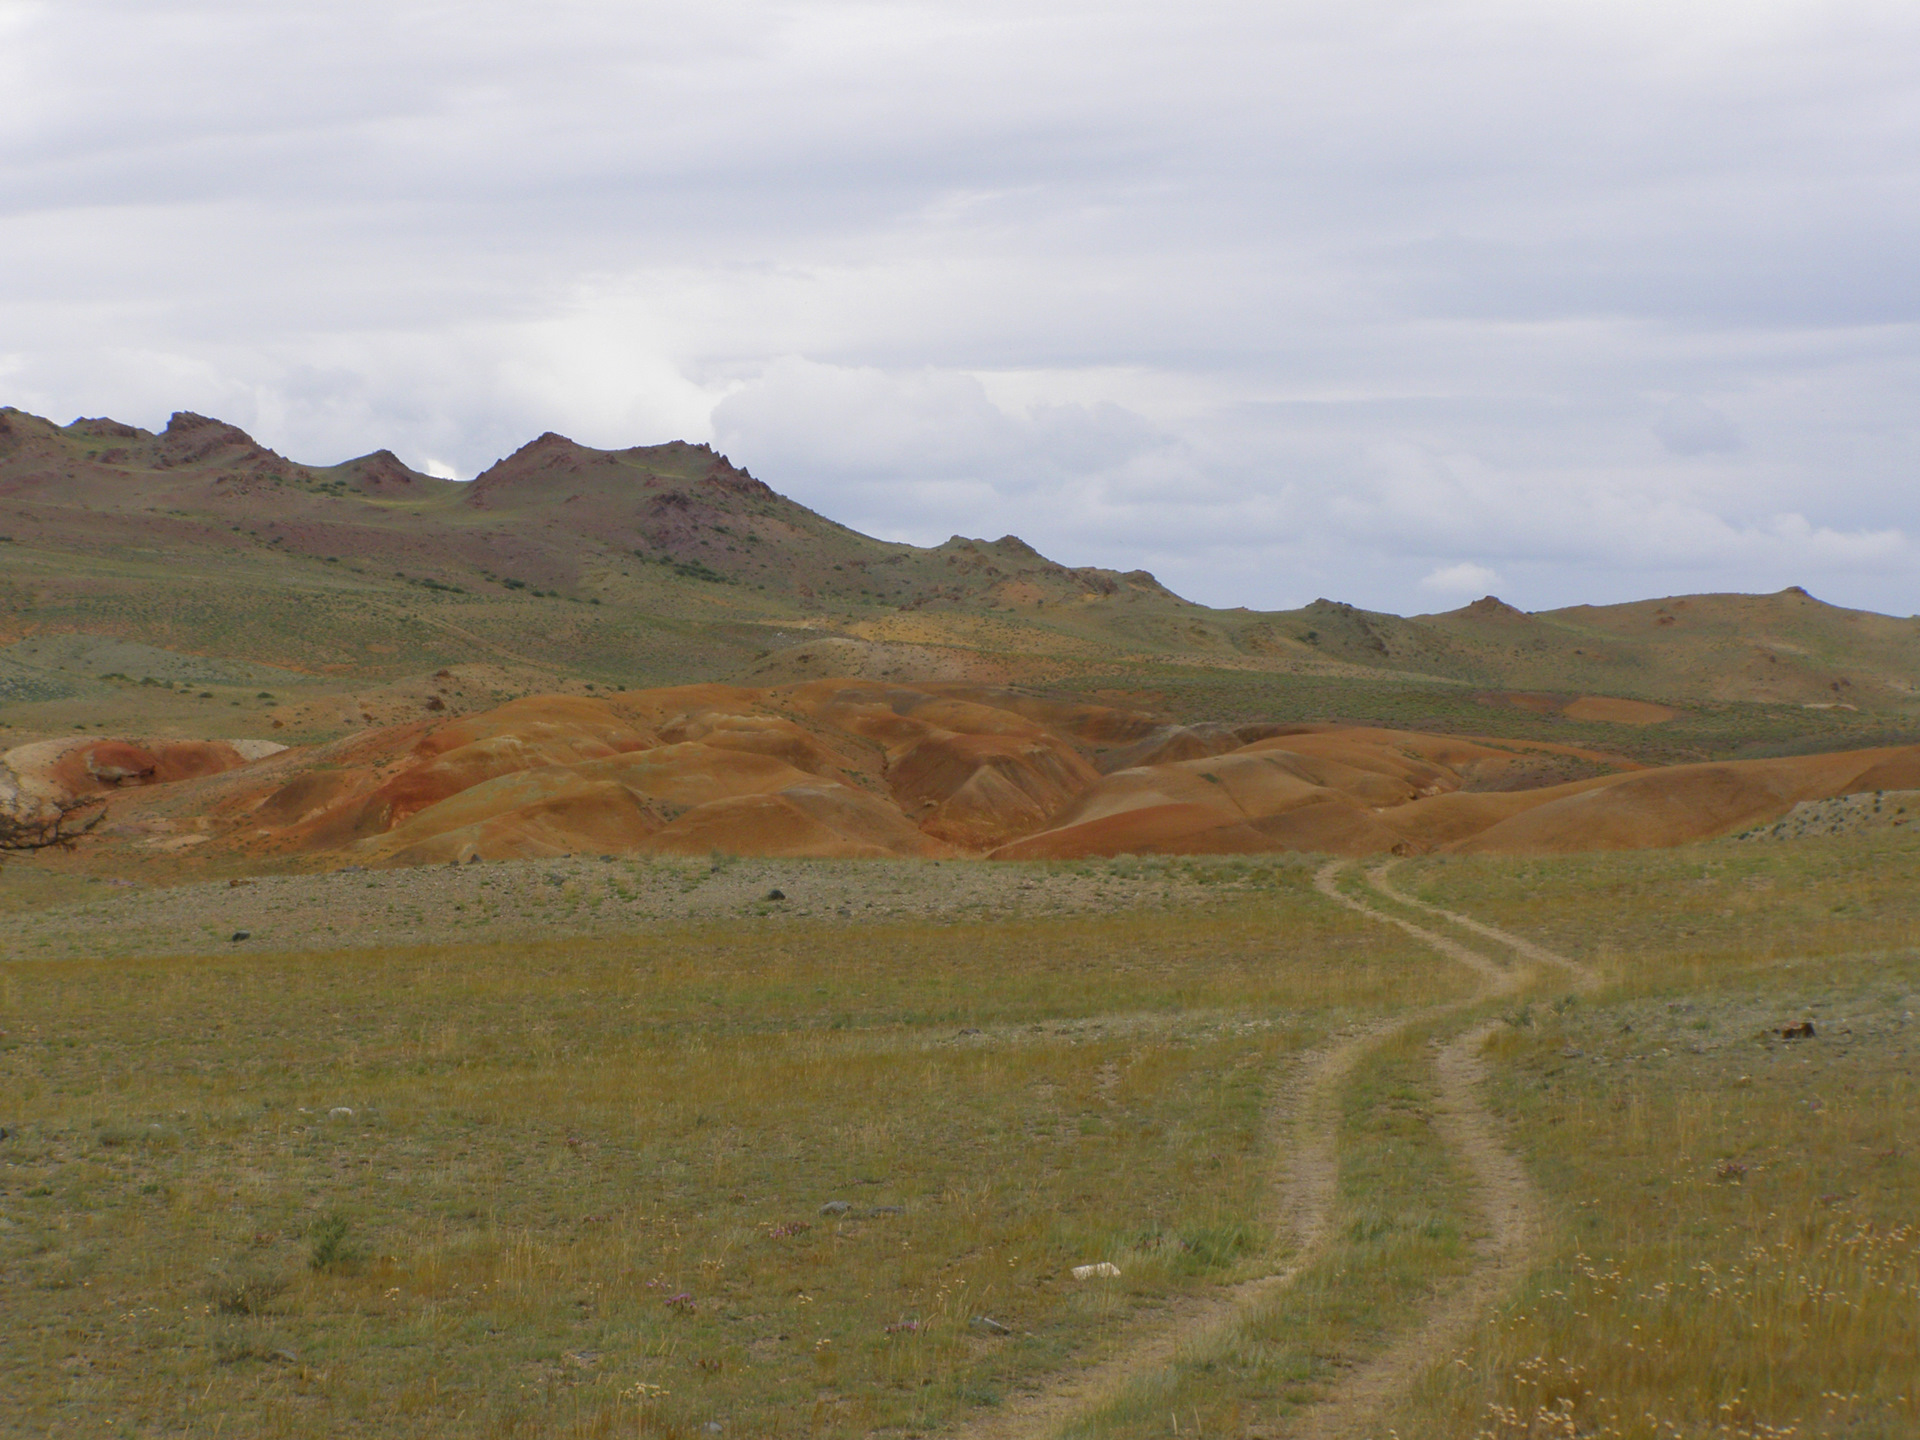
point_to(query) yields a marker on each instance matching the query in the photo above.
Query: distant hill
(1787, 648)
(668, 564)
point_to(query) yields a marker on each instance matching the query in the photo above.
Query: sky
(1393, 303)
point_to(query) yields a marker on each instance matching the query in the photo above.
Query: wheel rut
(1379, 878)
(1302, 1119)
(1303, 1122)
(1504, 1196)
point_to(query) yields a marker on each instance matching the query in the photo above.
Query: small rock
(240, 935)
(1099, 1270)
(991, 1325)
(6, 1132)
(712, 1427)
(776, 894)
(835, 1207)
(285, 1357)
(340, 1112)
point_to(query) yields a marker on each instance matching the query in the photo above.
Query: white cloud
(1464, 578)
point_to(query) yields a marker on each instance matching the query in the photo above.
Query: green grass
(581, 1187)
(1706, 730)
(1734, 1250)
(583, 1182)
(1400, 1233)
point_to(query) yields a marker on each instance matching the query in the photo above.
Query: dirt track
(1504, 1196)
(1305, 1113)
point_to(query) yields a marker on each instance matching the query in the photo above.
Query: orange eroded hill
(867, 769)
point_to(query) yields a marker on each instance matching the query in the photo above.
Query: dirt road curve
(1525, 949)
(1504, 1196)
(1303, 1120)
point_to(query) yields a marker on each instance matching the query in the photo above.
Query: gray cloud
(1687, 427)
(1327, 298)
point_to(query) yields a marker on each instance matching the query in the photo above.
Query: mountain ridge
(668, 563)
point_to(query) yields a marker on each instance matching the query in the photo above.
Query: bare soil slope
(855, 768)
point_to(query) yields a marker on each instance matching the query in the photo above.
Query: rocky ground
(517, 900)
(1843, 815)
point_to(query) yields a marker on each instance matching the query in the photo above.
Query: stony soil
(549, 899)
(1843, 815)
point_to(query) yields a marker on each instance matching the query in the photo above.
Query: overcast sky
(1396, 303)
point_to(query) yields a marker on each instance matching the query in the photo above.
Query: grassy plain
(581, 1188)
(583, 1181)
(1734, 1250)
(1729, 1248)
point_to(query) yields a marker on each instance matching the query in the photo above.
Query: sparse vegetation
(590, 1147)
(598, 1172)
(329, 1242)
(623, 1151)
(1734, 1252)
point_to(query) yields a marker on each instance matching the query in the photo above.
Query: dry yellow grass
(1735, 1251)
(581, 1183)
(580, 1190)
(1401, 1231)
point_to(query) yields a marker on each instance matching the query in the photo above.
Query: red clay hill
(855, 768)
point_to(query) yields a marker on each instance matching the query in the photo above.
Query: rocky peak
(384, 473)
(1492, 607)
(191, 439)
(103, 428)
